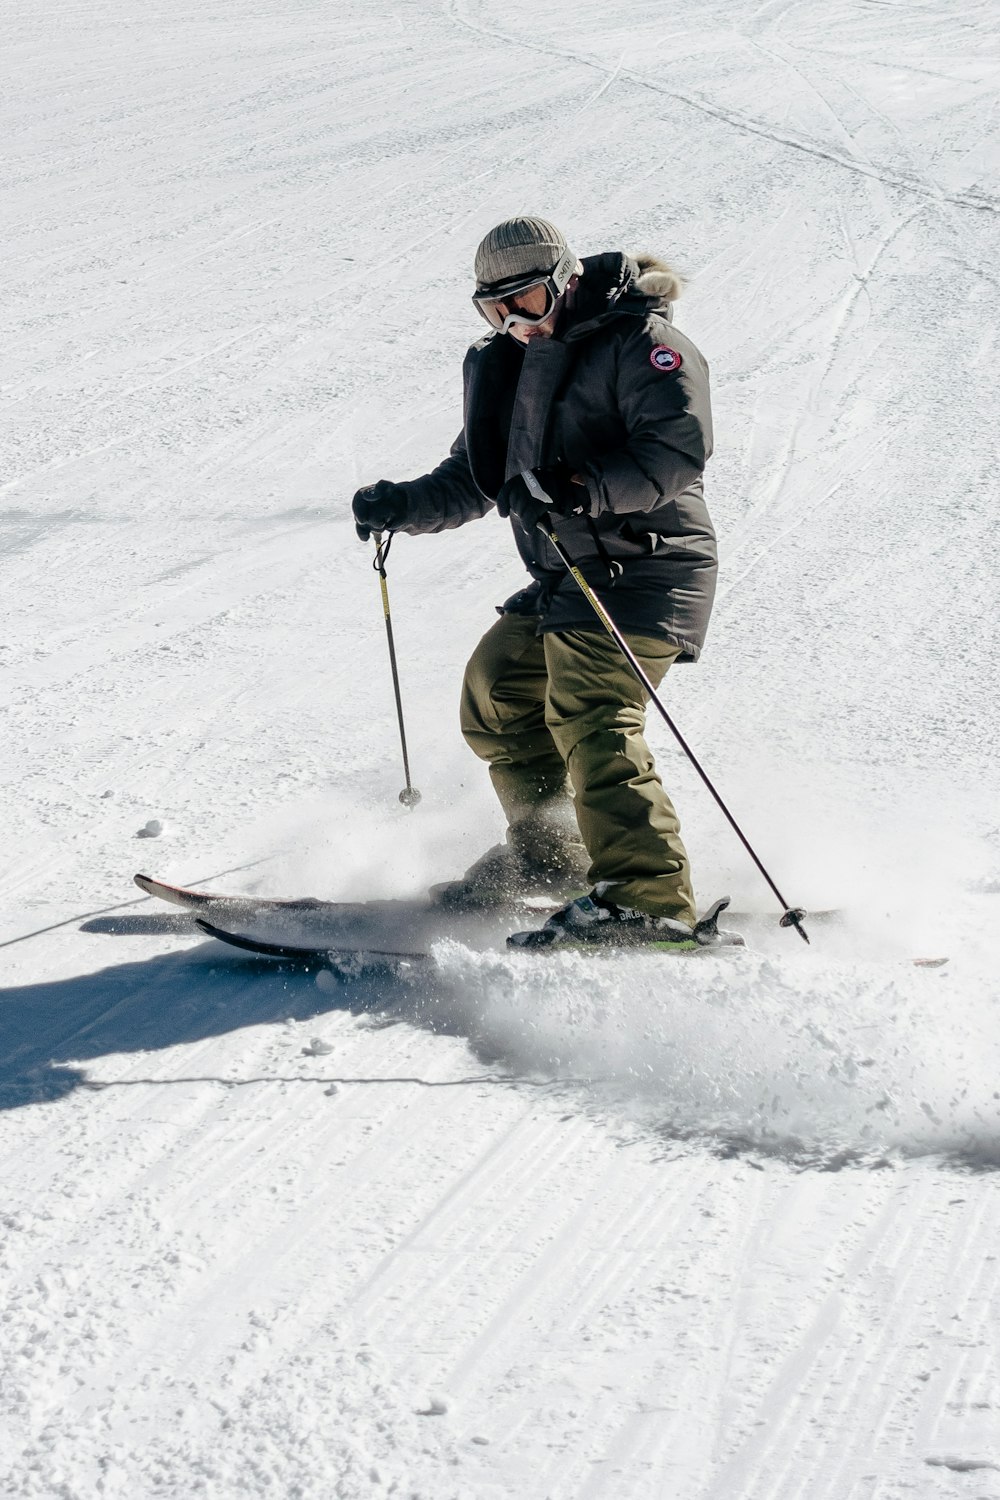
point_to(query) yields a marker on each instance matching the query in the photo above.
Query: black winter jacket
(622, 397)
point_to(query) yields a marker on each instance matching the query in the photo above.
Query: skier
(582, 380)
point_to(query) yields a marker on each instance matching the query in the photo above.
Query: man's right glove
(566, 496)
(379, 507)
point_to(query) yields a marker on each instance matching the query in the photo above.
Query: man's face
(525, 332)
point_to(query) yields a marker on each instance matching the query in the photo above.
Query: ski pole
(793, 916)
(409, 796)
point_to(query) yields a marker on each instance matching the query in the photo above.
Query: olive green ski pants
(538, 706)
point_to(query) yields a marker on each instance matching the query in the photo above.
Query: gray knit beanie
(516, 247)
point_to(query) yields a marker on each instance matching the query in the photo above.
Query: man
(584, 405)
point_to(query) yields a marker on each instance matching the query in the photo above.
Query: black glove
(565, 496)
(379, 507)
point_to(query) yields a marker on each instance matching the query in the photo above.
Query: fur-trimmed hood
(657, 279)
(616, 283)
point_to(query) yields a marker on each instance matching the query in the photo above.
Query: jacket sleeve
(663, 397)
(446, 497)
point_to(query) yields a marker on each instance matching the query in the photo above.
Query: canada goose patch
(665, 358)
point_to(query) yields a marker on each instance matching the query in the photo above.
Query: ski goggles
(528, 299)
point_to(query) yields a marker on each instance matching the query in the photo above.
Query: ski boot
(504, 877)
(594, 920)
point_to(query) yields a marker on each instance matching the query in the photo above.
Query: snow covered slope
(574, 1231)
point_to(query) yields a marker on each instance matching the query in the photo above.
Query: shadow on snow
(51, 1029)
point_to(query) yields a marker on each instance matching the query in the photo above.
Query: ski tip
(929, 963)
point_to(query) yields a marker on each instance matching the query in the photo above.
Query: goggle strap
(563, 269)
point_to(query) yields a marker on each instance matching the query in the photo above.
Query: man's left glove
(566, 496)
(379, 507)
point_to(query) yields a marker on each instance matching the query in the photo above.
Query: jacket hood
(616, 283)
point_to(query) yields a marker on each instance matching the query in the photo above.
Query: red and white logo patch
(665, 358)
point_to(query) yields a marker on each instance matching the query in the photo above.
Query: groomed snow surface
(711, 1229)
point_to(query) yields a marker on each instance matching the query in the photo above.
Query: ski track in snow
(583, 1230)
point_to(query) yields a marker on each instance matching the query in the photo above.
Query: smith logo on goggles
(526, 299)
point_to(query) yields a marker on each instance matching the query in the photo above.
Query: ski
(182, 895)
(300, 929)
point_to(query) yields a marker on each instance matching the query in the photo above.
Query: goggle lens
(530, 305)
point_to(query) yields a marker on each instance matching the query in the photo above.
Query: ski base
(312, 956)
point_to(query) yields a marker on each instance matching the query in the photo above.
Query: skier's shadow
(51, 1029)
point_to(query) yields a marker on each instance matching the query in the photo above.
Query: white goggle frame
(492, 304)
